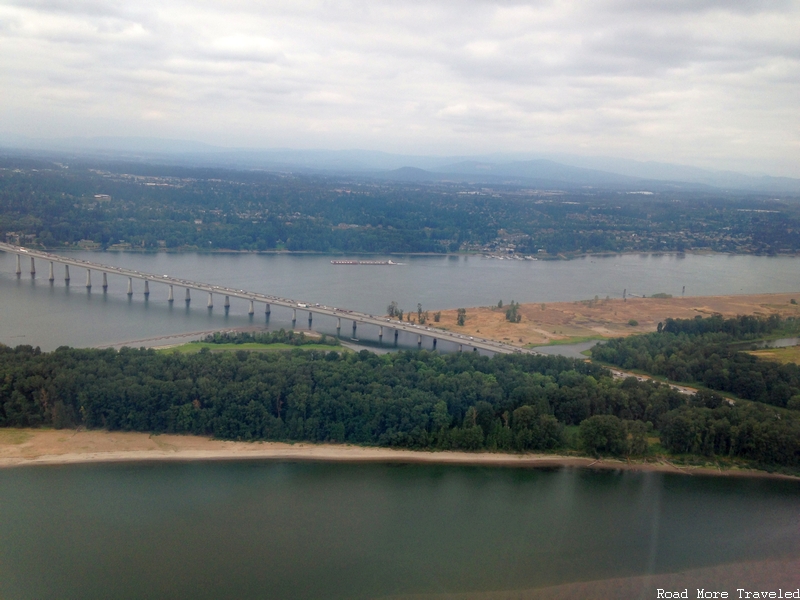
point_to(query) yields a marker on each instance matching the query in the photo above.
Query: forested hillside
(416, 400)
(149, 207)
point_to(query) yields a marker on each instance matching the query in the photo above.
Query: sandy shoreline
(30, 447)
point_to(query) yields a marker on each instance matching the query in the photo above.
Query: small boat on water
(364, 262)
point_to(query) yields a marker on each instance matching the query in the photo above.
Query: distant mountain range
(558, 171)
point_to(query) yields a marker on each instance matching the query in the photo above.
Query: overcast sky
(701, 82)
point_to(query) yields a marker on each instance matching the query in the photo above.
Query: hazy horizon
(708, 84)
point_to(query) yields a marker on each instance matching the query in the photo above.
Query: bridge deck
(311, 308)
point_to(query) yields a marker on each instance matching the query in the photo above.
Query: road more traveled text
(703, 593)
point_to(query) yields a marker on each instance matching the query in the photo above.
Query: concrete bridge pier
(88, 279)
(309, 319)
(33, 267)
(146, 289)
(19, 266)
(171, 297)
(267, 310)
(294, 316)
(227, 304)
(105, 281)
(461, 347)
(210, 300)
(396, 335)
(252, 310)
(130, 286)
(66, 274)
(354, 329)
(419, 340)
(434, 343)
(52, 277)
(380, 333)
(188, 297)
(338, 324)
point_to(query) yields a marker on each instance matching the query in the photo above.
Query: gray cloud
(712, 83)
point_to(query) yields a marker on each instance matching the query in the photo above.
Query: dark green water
(307, 530)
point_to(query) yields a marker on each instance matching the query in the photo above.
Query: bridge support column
(309, 319)
(338, 324)
(252, 310)
(188, 297)
(33, 267)
(354, 329)
(267, 310)
(19, 266)
(396, 334)
(88, 279)
(171, 297)
(434, 343)
(146, 288)
(294, 315)
(66, 274)
(419, 340)
(130, 286)
(210, 300)
(52, 277)
(380, 333)
(227, 304)
(105, 281)
(460, 347)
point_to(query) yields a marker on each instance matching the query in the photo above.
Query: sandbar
(29, 447)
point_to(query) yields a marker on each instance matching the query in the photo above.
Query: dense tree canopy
(152, 206)
(406, 399)
(710, 351)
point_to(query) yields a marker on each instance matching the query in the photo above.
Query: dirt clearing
(604, 318)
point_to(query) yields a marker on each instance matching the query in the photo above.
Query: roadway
(356, 317)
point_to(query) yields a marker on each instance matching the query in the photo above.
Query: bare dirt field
(565, 321)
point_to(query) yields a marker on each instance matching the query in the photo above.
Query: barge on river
(364, 262)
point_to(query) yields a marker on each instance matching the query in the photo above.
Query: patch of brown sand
(554, 321)
(51, 447)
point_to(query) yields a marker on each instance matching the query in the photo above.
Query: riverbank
(339, 254)
(28, 447)
(572, 322)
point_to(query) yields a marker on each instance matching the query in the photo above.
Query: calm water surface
(36, 312)
(283, 530)
(305, 530)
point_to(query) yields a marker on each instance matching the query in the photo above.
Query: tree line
(292, 338)
(155, 206)
(419, 400)
(711, 351)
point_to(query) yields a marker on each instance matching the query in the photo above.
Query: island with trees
(415, 400)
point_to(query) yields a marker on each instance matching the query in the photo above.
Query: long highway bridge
(391, 326)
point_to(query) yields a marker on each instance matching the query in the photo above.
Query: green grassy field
(781, 355)
(568, 341)
(194, 347)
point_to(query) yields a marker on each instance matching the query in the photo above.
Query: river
(303, 530)
(294, 530)
(50, 315)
